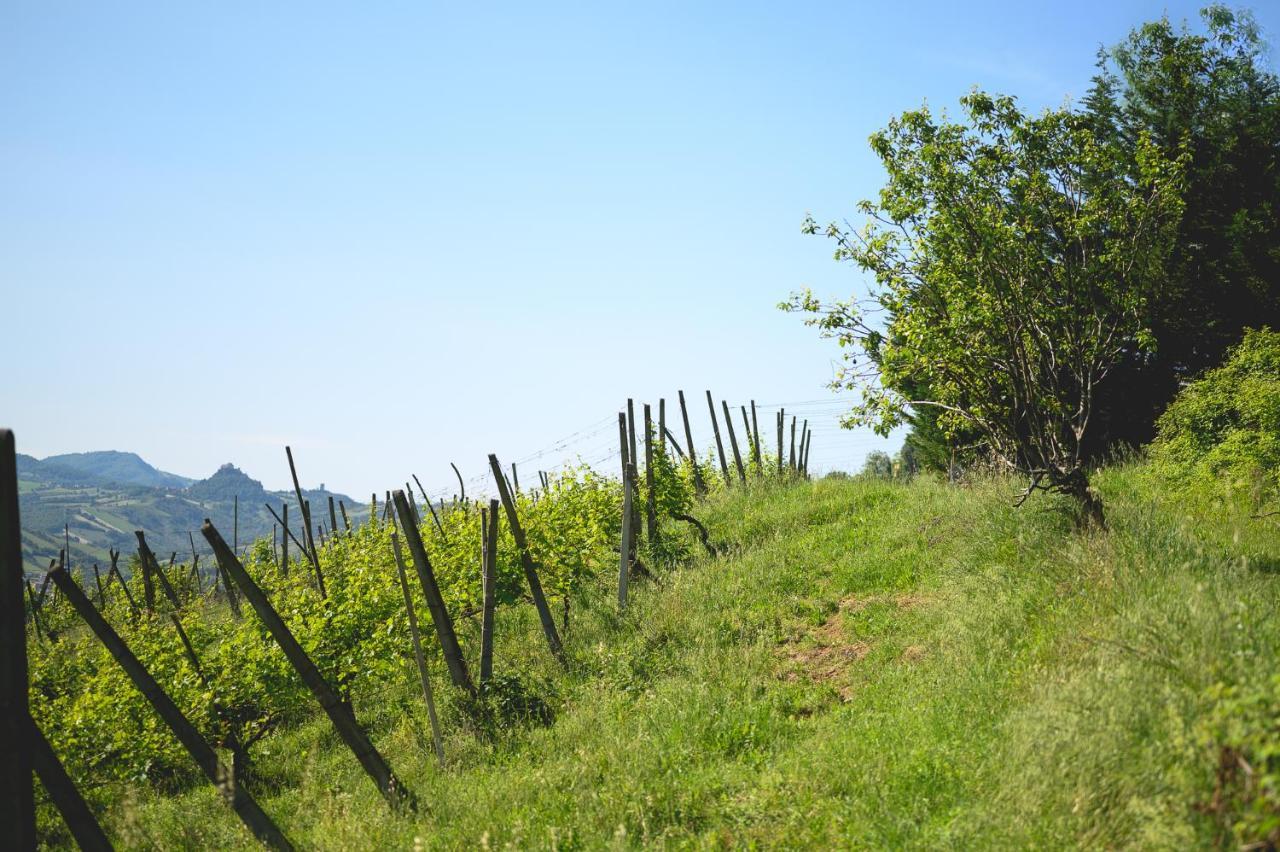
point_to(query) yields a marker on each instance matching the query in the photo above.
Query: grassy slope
(871, 665)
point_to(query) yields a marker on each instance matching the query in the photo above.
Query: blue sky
(399, 235)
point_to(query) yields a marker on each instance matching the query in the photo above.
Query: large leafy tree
(1207, 94)
(1015, 259)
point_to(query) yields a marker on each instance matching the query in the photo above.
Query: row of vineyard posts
(24, 748)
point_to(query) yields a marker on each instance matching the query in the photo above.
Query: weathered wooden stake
(338, 710)
(526, 562)
(746, 431)
(346, 522)
(662, 423)
(305, 508)
(698, 485)
(417, 651)
(435, 602)
(651, 497)
(675, 445)
(152, 567)
(489, 586)
(755, 444)
(430, 508)
(715, 427)
(17, 796)
(148, 582)
(333, 518)
(733, 443)
(624, 549)
(792, 459)
(462, 487)
(102, 594)
(622, 441)
(781, 419)
(254, 818)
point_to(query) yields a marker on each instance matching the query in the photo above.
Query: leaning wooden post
(417, 650)
(254, 818)
(526, 562)
(149, 563)
(651, 497)
(715, 427)
(305, 508)
(338, 710)
(435, 601)
(75, 811)
(622, 441)
(148, 582)
(733, 443)
(489, 587)
(333, 518)
(430, 508)
(698, 485)
(624, 550)
(755, 431)
(462, 488)
(749, 455)
(284, 540)
(17, 796)
(102, 593)
(346, 521)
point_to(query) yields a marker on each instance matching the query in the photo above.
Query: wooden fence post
(462, 487)
(755, 431)
(782, 415)
(430, 507)
(254, 818)
(284, 539)
(792, 460)
(346, 521)
(305, 508)
(733, 443)
(624, 549)
(338, 710)
(651, 498)
(526, 562)
(417, 650)
(698, 485)
(715, 427)
(333, 518)
(17, 796)
(746, 430)
(488, 584)
(662, 423)
(148, 582)
(148, 560)
(435, 601)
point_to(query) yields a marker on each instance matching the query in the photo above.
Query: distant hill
(105, 467)
(99, 499)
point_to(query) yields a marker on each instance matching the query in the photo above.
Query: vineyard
(161, 674)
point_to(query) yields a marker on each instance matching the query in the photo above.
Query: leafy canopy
(1014, 258)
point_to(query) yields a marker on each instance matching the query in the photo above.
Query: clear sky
(397, 235)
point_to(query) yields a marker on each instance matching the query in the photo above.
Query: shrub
(1223, 430)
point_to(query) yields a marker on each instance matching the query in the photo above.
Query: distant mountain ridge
(96, 500)
(102, 467)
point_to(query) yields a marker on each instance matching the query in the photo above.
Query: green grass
(866, 665)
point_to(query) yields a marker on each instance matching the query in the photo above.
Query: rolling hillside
(98, 499)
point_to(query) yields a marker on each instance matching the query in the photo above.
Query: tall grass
(866, 664)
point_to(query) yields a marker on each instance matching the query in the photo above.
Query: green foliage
(1209, 93)
(1223, 430)
(1241, 738)
(1015, 259)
